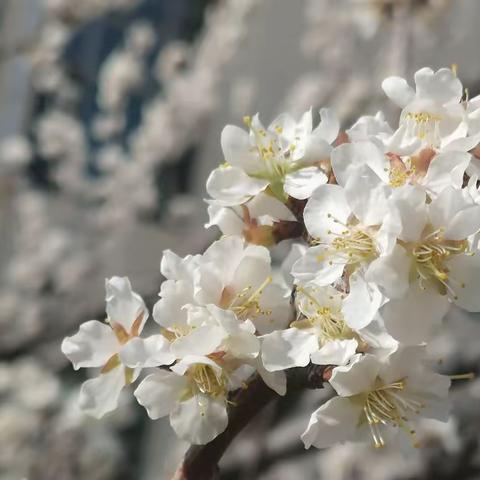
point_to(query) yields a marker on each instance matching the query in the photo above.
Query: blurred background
(110, 120)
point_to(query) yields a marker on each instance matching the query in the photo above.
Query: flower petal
(335, 421)
(232, 186)
(446, 169)
(302, 183)
(412, 318)
(199, 419)
(398, 90)
(236, 149)
(124, 306)
(91, 346)
(287, 348)
(326, 212)
(275, 310)
(200, 341)
(225, 218)
(455, 213)
(159, 392)
(147, 352)
(361, 305)
(319, 265)
(168, 310)
(277, 381)
(391, 272)
(442, 86)
(99, 395)
(336, 352)
(328, 127)
(356, 377)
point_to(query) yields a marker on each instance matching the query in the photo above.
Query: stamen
(251, 306)
(388, 405)
(431, 257)
(328, 323)
(425, 126)
(462, 376)
(205, 379)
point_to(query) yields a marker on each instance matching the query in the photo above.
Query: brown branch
(201, 461)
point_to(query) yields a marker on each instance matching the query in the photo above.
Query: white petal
(463, 144)
(201, 341)
(368, 127)
(199, 419)
(185, 363)
(391, 272)
(446, 169)
(302, 183)
(356, 377)
(432, 387)
(465, 269)
(225, 218)
(92, 346)
(398, 90)
(251, 272)
(411, 319)
(208, 284)
(264, 205)
(159, 392)
(329, 125)
(318, 264)
(232, 186)
(277, 381)
(458, 216)
(276, 311)
(442, 86)
(326, 212)
(403, 363)
(297, 250)
(407, 204)
(335, 421)
(123, 305)
(169, 310)
(226, 254)
(362, 303)
(287, 348)
(239, 337)
(336, 352)
(243, 344)
(100, 395)
(236, 148)
(367, 196)
(147, 352)
(348, 157)
(174, 267)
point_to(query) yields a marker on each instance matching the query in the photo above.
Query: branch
(201, 461)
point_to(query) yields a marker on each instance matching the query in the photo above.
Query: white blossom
(433, 114)
(115, 347)
(379, 400)
(285, 157)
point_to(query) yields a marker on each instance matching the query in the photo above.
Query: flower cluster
(383, 227)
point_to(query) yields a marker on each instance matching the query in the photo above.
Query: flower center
(355, 244)
(388, 405)
(245, 303)
(424, 126)
(431, 258)
(205, 380)
(327, 322)
(276, 157)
